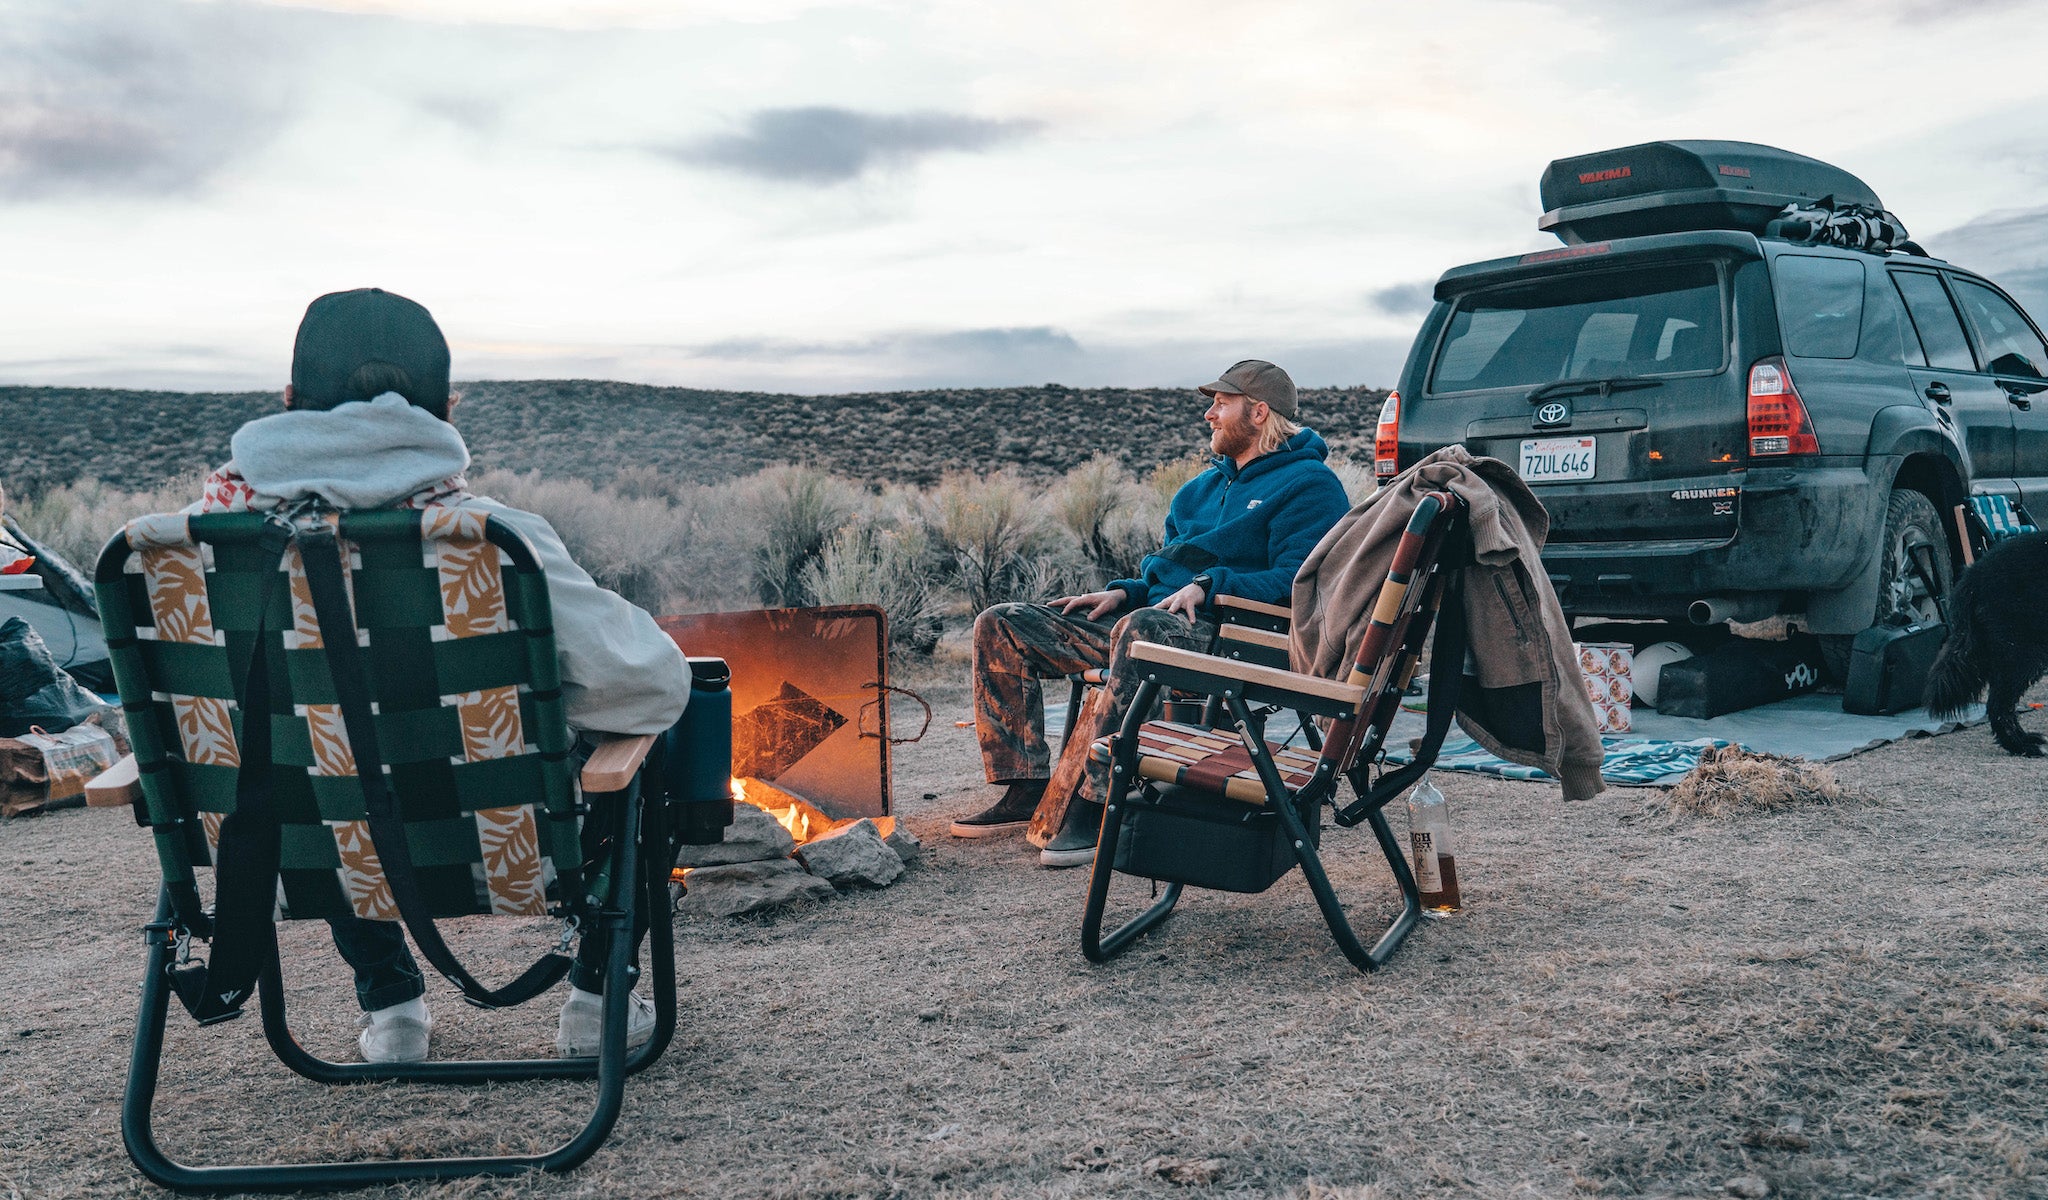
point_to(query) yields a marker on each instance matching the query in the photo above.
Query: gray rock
(752, 836)
(905, 844)
(1748, 1187)
(736, 888)
(851, 855)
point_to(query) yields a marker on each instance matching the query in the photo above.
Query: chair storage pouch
(1181, 835)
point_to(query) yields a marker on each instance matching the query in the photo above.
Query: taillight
(1778, 420)
(1386, 441)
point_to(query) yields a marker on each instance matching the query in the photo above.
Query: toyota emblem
(1553, 413)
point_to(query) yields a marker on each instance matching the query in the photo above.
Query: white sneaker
(582, 1024)
(398, 1034)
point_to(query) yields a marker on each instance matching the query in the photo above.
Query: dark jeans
(384, 967)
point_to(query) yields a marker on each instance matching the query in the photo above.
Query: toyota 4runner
(1725, 418)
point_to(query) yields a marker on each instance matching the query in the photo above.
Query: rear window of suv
(1610, 325)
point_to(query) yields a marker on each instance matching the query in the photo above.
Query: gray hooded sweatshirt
(620, 672)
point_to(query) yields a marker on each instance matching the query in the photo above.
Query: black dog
(1998, 636)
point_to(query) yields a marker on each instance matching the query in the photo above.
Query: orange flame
(804, 821)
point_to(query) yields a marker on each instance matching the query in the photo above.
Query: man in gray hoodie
(366, 425)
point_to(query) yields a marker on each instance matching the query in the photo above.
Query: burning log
(804, 820)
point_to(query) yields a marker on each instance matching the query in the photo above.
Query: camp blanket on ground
(1661, 750)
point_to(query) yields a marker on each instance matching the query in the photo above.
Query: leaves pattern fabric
(175, 578)
(206, 730)
(362, 873)
(332, 756)
(490, 724)
(510, 841)
(472, 588)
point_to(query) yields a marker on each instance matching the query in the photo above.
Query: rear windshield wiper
(1587, 387)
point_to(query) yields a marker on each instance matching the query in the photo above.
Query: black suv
(1726, 422)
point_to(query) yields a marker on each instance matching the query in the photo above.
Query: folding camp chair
(1987, 520)
(1227, 810)
(1246, 630)
(409, 760)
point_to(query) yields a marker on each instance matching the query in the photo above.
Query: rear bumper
(1796, 530)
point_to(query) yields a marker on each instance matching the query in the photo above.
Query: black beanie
(345, 331)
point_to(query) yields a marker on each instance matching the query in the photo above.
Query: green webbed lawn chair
(449, 698)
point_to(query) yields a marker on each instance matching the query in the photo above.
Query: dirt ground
(1848, 1001)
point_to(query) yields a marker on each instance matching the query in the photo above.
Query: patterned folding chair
(1222, 808)
(1246, 630)
(408, 760)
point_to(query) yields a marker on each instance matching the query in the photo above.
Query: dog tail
(1957, 677)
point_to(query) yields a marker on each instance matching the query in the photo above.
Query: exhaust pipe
(1712, 610)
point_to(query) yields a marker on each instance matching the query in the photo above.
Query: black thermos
(701, 784)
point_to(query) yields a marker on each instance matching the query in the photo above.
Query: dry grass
(1844, 1000)
(78, 518)
(1731, 780)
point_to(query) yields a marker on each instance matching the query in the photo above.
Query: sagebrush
(784, 536)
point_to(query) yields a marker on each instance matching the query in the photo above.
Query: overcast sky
(811, 196)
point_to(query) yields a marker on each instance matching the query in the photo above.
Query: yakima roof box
(1667, 187)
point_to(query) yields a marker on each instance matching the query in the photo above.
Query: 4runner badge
(1557, 412)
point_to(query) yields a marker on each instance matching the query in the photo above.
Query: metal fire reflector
(810, 709)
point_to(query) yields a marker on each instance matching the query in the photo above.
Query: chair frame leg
(1123, 773)
(1280, 800)
(610, 1067)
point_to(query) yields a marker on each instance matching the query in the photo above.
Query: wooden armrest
(612, 767)
(116, 787)
(1264, 639)
(1251, 606)
(1270, 678)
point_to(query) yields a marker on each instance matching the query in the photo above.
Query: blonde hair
(1275, 432)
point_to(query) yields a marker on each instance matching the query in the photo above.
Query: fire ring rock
(752, 835)
(853, 855)
(905, 844)
(737, 888)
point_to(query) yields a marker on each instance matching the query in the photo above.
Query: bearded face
(1231, 431)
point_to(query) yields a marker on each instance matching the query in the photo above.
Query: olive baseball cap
(343, 332)
(1259, 379)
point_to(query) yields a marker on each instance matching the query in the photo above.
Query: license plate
(1549, 460)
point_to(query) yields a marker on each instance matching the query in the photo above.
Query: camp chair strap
(320, 550)
(1446, 680)
(242, 932)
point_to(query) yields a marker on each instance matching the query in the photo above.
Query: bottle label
(1428, 877)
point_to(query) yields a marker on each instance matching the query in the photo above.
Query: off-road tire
(1910, 519)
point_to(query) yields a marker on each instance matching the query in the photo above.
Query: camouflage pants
(1016, 645)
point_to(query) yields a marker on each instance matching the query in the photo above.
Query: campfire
(805, 821)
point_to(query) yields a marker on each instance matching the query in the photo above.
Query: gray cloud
(1404, 299)
(100, 97)
(822, 145)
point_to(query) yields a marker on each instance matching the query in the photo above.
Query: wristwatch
(1208, 584)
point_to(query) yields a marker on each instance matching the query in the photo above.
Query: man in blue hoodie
(1241, 528)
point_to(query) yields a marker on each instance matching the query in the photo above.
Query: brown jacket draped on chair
(1528, 703)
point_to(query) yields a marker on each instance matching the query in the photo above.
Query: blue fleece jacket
(1247, 528)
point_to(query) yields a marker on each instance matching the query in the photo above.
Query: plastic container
(1431, 853)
